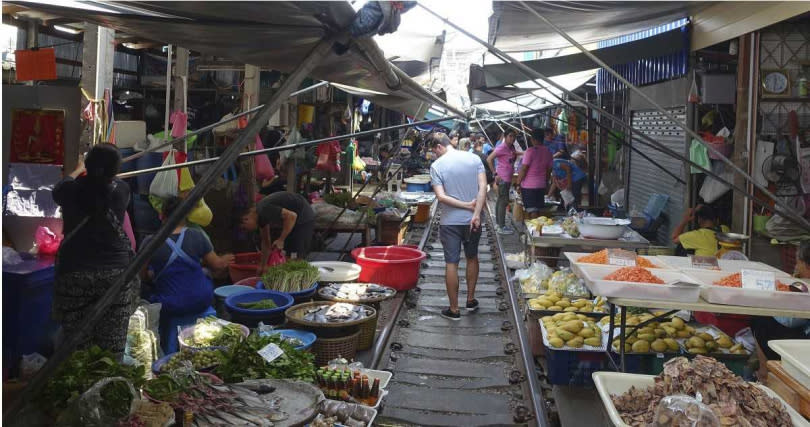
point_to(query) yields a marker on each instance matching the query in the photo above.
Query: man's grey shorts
(454, 237)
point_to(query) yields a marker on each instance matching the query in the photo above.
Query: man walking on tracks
(460, 183)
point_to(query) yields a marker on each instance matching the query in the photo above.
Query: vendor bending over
(176, 269)
(292, 214)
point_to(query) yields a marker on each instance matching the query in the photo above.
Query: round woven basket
(367, 331)
(326, 349)
(295, 315)
(368, 301)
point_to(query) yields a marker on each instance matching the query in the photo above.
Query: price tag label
(755, 279)
(621, 258)
(270, 352)
(705, 262)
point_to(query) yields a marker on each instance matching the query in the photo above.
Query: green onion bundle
(291, 276)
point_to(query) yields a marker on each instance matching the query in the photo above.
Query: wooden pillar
(741, 157)
(180, 84)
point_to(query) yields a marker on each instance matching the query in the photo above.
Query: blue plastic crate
(574, 367)
(27, 300)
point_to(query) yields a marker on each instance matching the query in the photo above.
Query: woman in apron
(179, 282)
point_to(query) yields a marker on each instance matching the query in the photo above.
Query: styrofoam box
(573, 258)
(614, 383)
(747, 297)
(728, 265)
(129, 132)
(795, 358)
(677, 286)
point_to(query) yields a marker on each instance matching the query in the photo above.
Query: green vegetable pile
(291, 276)
(116, 399)
(210, 332)
(264, 304)
(340, 200)
(167, 387)
(242, 362)
(79, 372)
(200, 359)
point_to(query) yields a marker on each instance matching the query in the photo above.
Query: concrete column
(31, 39)
(97, 74)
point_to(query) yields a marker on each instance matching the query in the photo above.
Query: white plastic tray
(747, 297)
(726, 265)
(677, 286)
(612, 383)
(573, 258)
(795, 358)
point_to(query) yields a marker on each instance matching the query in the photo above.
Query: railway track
(453, 373)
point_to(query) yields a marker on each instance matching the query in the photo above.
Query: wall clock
(775, 83)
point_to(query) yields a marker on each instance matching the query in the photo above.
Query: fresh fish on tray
(335, 313)
(356, 291)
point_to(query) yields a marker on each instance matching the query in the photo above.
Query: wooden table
(630, 240)
(795, 394)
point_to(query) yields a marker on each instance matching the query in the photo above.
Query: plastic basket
(574, 367)
(326, 349)
(244, 266)
(367, 332)
(189, 330)
(251, 318)
(394, 266)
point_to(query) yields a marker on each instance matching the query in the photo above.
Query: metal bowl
(731, 237)
(602, 228)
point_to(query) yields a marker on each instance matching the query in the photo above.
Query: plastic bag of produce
(142, 343)
(535, 278)
(567, 283)
(681, 410)
(106, 402)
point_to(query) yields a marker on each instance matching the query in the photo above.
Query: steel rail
(798, 219)
(97, 311)
(280, 148)
(534, 75)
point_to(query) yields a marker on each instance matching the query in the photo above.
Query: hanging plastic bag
(201, 214)
(358, 164)
(328, 157)
(712, 189)
(276, 257)
(694, 95)
(47, 241)
(166, 183)
(179, 122)
(264, 169)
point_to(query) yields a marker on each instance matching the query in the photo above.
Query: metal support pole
(281, 148)
(167, 106)
(534, 75)
(96, 312)
(798, 219)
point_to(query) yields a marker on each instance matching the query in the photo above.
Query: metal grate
(647, 179)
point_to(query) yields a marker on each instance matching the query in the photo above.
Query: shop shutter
(647, 178)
